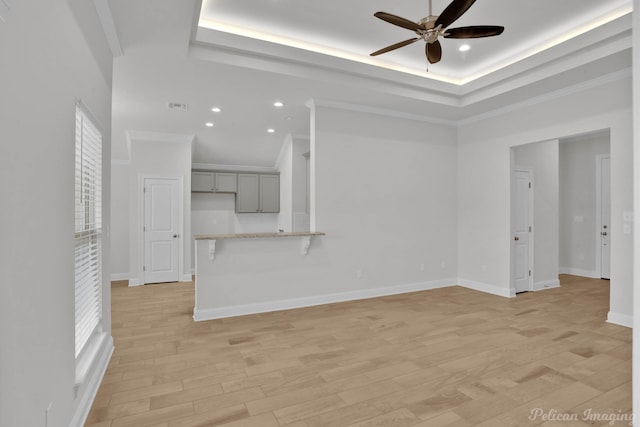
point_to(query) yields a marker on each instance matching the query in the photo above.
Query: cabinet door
(248, 196)
(202, 181)
(226, 182)
(269, 193)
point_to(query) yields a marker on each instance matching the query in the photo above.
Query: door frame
(141, 222)
(530, 242)
(598, 241)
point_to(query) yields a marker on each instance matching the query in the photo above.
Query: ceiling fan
(432, 27)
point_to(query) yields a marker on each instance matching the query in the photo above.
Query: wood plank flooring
(446, 357)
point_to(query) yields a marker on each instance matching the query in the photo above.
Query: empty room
(318, 213)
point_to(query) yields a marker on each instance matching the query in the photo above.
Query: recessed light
(216, 109)
(278, 104)
(271, 130)
(209, 124)
(464, 48)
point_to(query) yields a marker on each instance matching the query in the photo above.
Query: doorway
(585, 186)
(522, 211)
(603, 215)
(162, 230)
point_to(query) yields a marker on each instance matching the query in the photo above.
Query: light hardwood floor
(446, 357)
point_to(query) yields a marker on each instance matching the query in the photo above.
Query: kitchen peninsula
(246, 273)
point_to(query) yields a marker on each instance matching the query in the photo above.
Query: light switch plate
(627, 216)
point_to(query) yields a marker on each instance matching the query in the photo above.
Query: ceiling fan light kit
(432, 27)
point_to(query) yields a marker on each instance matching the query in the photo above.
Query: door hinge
(529, 185)
(529, 229)
(529, 272)
(144, 268)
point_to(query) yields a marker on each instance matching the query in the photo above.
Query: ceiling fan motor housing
(431, 34)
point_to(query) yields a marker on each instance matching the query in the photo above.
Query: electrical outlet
(626, 228)
(422, 266)
(359, 274)
(443, 264)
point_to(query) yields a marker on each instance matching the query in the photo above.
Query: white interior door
(161, 230)
(522, 231)
(605, 215)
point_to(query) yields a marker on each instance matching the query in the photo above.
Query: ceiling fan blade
(452, 12)
(394, 46)
(399, 21)
(473, 32)
(433, 51)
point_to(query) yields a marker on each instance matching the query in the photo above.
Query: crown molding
(108, 26)
(5, 8)
(233, 168)
(177, 138)
(358, 108)
(579, 87)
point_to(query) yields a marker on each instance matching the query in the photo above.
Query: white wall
(120, 220)
(579, 235)
(292, 166)
(153, 158)
(285, 167)
(385, 197)
(542, 158)
(384, 194)
(636, 204)
(51, 54)
(301, 146)
(483, 196)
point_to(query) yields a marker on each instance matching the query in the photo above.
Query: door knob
(516, 238)
(176, 236)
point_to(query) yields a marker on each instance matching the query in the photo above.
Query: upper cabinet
(214, 182)
(258, 193)
(226, 182)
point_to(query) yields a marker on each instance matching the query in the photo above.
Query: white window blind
(88, 229)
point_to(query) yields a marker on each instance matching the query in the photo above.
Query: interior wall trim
(90, 389)
(487, 288)
(346, 106)
(569, 90)
(288, 304)
(620, 319)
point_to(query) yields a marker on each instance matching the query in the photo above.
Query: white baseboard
(119, 276)
(92, 384)
(547, 284)
(241, 310)
(579, 272)
(620, 319)
(186, 278)
(135, 282)
(489, 289)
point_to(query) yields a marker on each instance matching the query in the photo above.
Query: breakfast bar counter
(246, 273)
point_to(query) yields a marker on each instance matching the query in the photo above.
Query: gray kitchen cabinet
(202, 181)
(269, 193)
(258, 193)
(212, 182)
(226, 182)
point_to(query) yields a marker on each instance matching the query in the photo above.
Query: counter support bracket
(212, 250)
(306, 242)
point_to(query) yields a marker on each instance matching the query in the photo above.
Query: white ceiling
(349, 29)
(168, 58)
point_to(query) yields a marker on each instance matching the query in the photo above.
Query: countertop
(255, 235)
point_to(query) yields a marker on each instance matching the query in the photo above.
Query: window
(88, 229)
